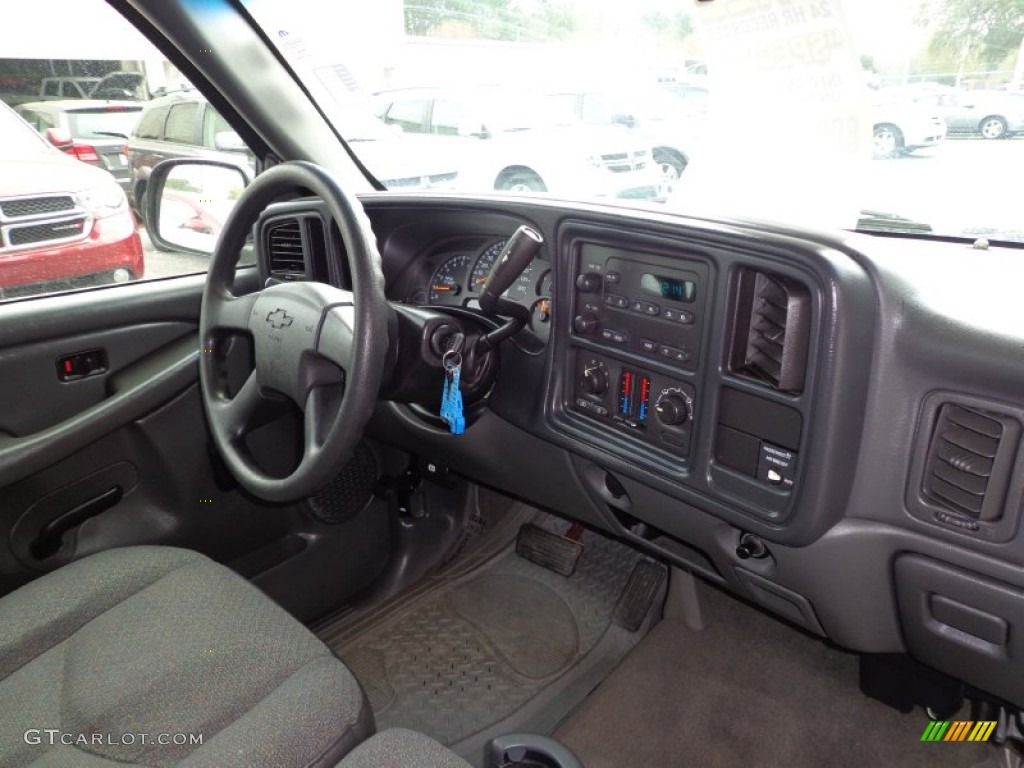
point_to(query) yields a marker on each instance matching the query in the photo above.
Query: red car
(62, 222)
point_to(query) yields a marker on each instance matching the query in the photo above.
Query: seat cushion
(132, 647)
(399, 748)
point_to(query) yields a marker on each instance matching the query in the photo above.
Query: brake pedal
(548, 550)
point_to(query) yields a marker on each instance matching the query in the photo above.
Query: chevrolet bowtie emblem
(279, 319)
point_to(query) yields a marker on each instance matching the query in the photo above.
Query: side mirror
(59, 137)
(230, 141)
(188, 201)
(627, 120)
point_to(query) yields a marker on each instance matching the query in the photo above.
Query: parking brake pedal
(548, 550)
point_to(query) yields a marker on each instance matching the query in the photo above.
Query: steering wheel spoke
(337, 335)
(234, 313)
(237, 415)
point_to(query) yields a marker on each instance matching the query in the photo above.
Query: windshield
(879, 115)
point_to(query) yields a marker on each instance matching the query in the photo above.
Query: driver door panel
(123, 450)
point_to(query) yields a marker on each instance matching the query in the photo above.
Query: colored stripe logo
(959, 730)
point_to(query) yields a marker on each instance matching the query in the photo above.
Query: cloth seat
(401, 748)
(120, 657)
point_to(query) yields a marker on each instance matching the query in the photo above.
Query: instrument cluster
(460, 275)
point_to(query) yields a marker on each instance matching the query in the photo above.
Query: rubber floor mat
(475, 649)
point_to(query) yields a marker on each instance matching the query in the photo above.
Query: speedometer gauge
(448, 281)
(483, 267)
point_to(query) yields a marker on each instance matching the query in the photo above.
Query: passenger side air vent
(286, 259)
(968, 466)
(771, 330)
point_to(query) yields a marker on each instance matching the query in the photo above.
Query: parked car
(53, 88)
(659, 119)
(61, 221)
(398, 160)
(992, 114)
(95, 132)
(901, 126)
(694, 98)
(182, 124)
(511, 142)
(187, 125)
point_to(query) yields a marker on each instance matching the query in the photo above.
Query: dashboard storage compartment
(963, 623)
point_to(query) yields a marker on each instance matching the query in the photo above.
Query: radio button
(649, 346)
(672, 353)
(612, 277)
(678, 316)
(645, 307)
(614, 300)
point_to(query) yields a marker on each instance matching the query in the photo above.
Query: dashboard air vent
(286, 258)
(772, 330)
(964, 472)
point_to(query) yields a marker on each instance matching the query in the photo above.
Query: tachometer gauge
(448, 281)
(545, 285)
(483, 266)
(524, 289)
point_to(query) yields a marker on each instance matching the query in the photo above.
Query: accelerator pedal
(548, 550)
(637, 596)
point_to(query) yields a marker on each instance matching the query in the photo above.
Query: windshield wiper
(110, 133)
(883, 221)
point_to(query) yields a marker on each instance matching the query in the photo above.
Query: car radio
(630, 304)
(648, 304)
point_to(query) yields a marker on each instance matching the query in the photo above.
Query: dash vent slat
(962, 460)
(772, 330)
(286, 256)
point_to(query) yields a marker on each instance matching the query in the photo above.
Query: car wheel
(670, 167)
(887, 141)
(523, 180)
(992, 127)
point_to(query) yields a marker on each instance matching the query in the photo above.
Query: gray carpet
(473, 648)
(746, 691)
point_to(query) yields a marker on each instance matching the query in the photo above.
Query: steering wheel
(311, 341)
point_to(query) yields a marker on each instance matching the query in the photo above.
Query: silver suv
(510, 141)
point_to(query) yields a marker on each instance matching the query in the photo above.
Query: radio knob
(585, 323)
(589, 282)
(595, 380)
(672, 410)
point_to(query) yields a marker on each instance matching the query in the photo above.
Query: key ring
(448, 357)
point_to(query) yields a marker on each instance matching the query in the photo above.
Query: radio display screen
(670, 288)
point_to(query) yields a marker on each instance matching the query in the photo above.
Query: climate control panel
(653, 407)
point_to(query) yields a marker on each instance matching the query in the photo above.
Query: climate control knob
(672, 410)
(585, 323)
(594, 380)
(589, 282)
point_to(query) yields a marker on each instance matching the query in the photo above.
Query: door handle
(51, 537)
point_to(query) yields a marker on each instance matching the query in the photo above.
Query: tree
(679, 25)
(489, 19)
(984, 32)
